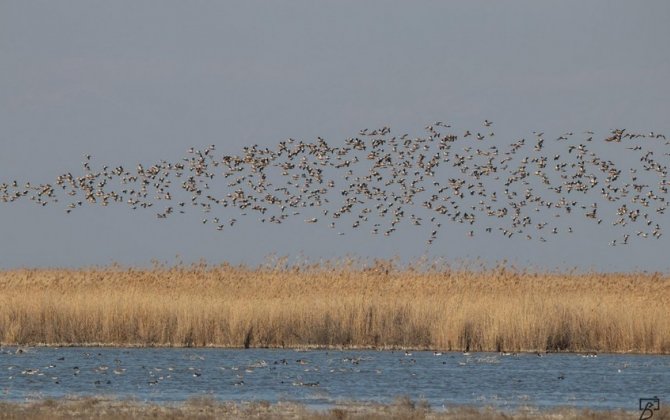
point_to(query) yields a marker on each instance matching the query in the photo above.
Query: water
(321, 379)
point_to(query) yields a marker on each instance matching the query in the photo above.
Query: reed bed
(376, 304)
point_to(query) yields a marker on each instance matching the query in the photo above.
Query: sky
(133, 82)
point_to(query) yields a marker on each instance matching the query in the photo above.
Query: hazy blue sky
(136, 82)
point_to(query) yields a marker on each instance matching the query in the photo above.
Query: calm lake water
(322, 378)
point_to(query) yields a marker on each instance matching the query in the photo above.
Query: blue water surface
(324, 378)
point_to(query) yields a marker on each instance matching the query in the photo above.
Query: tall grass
(343, 303)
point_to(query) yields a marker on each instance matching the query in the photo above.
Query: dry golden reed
(337, 303)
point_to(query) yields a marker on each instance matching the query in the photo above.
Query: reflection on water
(322, 378)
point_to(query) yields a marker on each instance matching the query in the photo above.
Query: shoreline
(299, 349)
(204, 408)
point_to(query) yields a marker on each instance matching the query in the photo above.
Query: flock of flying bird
(533, 187)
